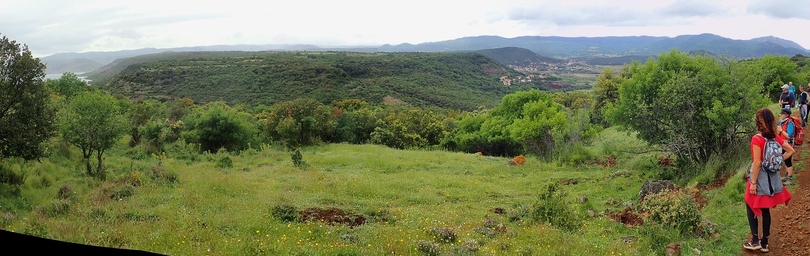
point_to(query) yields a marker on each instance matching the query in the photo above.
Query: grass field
(413, 202)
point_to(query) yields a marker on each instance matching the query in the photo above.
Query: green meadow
(414, 202)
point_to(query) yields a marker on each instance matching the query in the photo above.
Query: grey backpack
(771, 156)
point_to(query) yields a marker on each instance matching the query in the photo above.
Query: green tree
(139, 114)
(693, 106)
(775, 71)
(313, 122)
(26, 115)
(525, 121)
(68, 85)
(93, 122)
(219, 126)
(605, 92)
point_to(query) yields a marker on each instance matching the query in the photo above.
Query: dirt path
(790, 228)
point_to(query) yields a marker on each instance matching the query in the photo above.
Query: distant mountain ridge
(550, 46)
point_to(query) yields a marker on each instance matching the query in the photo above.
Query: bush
(162, 176)
(55, 208)
(298, 159)
(224, 162)
(652, 102)
(285, 212)
(673, 209)
(66, 192)
(10, 177)
(445, 234)
(553, 208)
(219, 126)
(121, 192)
(428, 248)
(130, 178)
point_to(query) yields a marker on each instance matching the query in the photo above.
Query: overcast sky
(49, 27)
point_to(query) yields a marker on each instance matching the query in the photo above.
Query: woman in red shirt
(756, 204)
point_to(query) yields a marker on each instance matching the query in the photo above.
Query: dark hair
(766, 124)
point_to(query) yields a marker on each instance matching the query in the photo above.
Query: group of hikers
(772, 146)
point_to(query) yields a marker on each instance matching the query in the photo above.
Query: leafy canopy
(693, 106)
(26, 116)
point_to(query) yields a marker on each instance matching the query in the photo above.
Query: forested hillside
(447, 80)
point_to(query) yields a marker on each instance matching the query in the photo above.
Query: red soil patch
(627, 217)
(332, 216)
(665, 161)
(607, 161)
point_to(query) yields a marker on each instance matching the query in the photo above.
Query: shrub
(121, 192)
(10, 177)
(55, 208)
(285, 212)
(428, 248)
(518, 213)
(491, 227)
(130, 178)
(381, 216)
(224, 162)
(469, 247)
(445, 234)
(553, 208)
(673, 209)
(298, 159)
(161, 175)
(66, 192)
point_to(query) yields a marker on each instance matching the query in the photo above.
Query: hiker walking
(764, 190)
(792, 90)
(785, 99)
(786, 127)
(803, 97)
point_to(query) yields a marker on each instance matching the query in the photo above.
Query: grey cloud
(782, 9)
(57, 30)
(691, 8)
(596, 15)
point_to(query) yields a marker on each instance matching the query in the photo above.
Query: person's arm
(788, 150)
(756, 152)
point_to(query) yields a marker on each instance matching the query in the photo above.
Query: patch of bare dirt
(627, 217)
(332, 216)
(608, 161)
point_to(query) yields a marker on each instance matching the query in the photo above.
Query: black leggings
(766, 221)
(788, 161)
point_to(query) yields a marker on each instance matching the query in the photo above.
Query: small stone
(673, 249)
(583, 199)
(591, 213)
(696, 251)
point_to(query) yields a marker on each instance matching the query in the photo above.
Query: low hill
(517, 56)
(614, 46)
(447, 80)
(551, 46)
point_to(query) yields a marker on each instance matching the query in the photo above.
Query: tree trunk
(89, 168)
(99, 170)
(86, 158)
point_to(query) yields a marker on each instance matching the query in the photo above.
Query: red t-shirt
(757, 202)
(759, 140)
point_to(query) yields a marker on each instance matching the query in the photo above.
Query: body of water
(57, 76)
